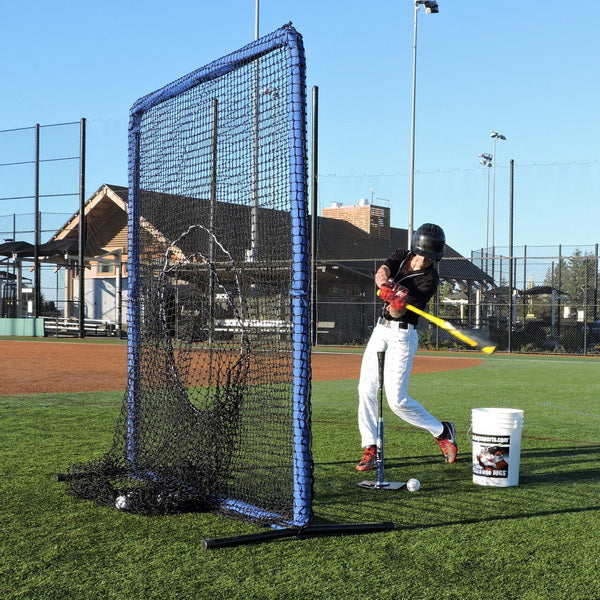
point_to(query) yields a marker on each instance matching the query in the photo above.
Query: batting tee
(217, 411)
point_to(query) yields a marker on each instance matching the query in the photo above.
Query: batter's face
(420, 262)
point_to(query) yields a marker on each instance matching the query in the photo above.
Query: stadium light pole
(495, 136)
(431, 7)
(256, 18)
(272, 93)
(486, 161)
(252, 252)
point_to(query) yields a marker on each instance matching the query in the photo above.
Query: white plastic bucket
(496, 438)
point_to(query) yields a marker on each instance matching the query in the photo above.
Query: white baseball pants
(400, 346)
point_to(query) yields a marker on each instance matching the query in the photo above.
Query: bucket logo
(491, 455)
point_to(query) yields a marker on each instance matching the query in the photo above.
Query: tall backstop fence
(42, 173)
(546, 299)
(547, 304)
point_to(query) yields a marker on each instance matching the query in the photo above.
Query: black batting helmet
(429, 240)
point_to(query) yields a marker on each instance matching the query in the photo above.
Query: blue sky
(528, 71)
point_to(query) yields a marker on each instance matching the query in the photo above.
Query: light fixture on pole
(486, 161)
(495, 136)
(431, 7)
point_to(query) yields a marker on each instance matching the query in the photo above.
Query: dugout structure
(217, 411)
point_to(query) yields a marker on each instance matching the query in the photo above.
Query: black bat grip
(381, 361)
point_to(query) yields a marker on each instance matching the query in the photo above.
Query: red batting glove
(386, 292)
(398, 302)
(394, 294)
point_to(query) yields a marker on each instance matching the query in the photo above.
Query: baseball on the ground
(123, 502)
(413, 485)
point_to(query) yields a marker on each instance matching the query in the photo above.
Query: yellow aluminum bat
(484, 345)
(472, 340)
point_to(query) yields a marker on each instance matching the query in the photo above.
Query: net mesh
(216, 415)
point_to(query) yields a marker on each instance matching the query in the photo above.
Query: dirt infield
(63, 366)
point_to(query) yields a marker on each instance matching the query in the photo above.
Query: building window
(105, 269)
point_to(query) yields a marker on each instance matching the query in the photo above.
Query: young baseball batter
(406, 277)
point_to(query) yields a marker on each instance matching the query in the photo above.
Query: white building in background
(106, 214)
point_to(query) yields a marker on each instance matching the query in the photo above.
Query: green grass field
(453, 539)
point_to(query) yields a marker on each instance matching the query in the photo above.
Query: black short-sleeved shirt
(421, 284)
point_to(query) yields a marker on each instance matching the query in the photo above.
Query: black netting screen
(216, 415)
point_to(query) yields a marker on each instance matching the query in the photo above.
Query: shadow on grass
(543, 458)
(562, 451)
(470, 521)
(543, 466)
(554, 481)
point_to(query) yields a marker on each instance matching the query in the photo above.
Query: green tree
(576, 275)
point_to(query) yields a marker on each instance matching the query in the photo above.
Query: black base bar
(299, 533)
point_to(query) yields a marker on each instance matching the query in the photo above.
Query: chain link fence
(543, 301)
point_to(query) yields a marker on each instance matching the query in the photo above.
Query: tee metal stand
(380, 483)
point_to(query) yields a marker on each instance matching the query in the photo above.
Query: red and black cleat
(367, 462)
(447, 442)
